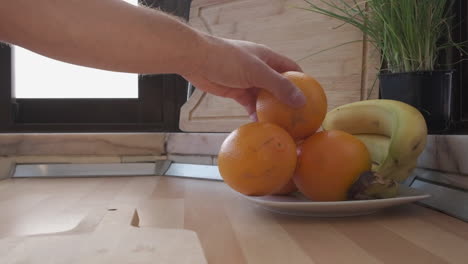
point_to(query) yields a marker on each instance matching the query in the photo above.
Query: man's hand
(237, 69)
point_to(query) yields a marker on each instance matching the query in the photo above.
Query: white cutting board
(113, 238)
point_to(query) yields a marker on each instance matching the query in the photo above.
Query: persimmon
(257, 159)
(329, 163)
(299, 122)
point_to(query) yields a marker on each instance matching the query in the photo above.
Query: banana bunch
(395, 135)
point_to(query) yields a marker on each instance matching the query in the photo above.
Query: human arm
(114, 35)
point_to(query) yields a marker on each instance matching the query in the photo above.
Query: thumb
(265, 77)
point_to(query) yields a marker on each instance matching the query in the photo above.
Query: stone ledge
(6, 167)
(449, 192)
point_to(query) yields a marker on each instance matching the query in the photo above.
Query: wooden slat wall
(293, 32)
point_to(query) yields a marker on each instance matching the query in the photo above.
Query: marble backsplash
(194, 143)
(447, 153)
(82, 144)
(193, 148)
(443, 152)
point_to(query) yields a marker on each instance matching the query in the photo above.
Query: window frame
(457, 61)
(461, 35)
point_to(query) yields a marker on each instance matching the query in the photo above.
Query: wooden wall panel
(293, 32)
(370, 69)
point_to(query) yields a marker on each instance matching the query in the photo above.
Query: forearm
(105, 34)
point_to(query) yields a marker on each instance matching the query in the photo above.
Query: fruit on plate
(299, 122)
(395, 134)
(378, 147)
(289, 188)
(257, 159)
(328, 165)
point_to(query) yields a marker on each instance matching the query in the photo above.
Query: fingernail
(297, 98)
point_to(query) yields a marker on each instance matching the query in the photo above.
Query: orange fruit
(299, 122)
(329, 163)
(257, 158)
(289, 188)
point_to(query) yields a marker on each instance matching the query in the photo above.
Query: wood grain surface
(231, 229)
(109, 237)
(346, 72)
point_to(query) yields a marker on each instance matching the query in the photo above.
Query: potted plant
(410, 35)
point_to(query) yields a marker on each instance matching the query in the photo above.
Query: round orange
(299, 122)
(329, 163)
(257, 158)
(289, 188)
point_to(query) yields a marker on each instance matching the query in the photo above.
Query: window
(53, 76)
(36, 76)
(69, 98)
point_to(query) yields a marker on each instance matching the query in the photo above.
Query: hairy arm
(105, 34)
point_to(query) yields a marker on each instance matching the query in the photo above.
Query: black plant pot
(429, 91)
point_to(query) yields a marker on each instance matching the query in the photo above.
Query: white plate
(299, 205)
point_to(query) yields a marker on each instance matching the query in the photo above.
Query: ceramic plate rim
(407, 197)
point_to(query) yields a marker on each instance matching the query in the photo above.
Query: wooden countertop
(230, 229)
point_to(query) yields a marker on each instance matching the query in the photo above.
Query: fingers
(248, 99)
(262, 76)
(249, 105)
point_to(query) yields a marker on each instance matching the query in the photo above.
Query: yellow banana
(403, 172)
(378, 148)
(402, 123)
(395, 135)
